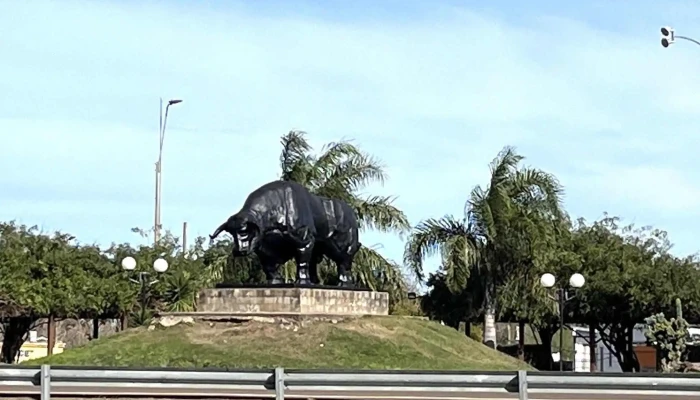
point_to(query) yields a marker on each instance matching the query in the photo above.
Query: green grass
(365, 343)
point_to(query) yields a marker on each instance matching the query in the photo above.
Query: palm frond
(504, 165)
(349, 175)
(372, 270)
(538, 190)
(378, 212)
(180, 291)
(333, 154)
(294, 157)
(480, 213)
(437, 236)
(458, 259)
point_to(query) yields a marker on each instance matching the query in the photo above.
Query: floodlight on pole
(668, 37)
(667, 34)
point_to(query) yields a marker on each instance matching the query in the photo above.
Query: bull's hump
(277, 189)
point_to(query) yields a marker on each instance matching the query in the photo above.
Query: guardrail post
(45, 381)
(279, 383)
(522, 385)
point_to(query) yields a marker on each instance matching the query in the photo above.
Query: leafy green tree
(629, 276)
(443, 304)
(543, 246)
(45, 275)
(485, 243)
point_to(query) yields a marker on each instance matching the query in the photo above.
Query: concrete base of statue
(291, 300)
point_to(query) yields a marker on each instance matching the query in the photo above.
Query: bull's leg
(345, 272)
(271, 270)
(303, 239)
(345, 247)
(303, 258)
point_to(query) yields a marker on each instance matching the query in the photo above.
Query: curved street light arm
(687, 38)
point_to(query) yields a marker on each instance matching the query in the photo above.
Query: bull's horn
(218, 231)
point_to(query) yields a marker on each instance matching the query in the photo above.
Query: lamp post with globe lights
(160, 265)
(563, 295)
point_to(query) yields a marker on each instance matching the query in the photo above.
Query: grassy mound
(365, 343)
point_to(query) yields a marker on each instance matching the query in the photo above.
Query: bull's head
(246, 234)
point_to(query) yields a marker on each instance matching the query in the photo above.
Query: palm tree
(476, 249)
(341, 170)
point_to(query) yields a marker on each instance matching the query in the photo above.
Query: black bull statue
(282, 220)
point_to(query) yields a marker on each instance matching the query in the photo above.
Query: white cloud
(436, 97)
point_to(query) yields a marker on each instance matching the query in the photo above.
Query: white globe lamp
(577, 280)
(129, 263)
(160, 265)
(547, 280)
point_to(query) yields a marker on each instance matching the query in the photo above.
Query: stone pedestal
(301, 301)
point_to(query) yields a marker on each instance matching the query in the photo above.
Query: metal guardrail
(61, 382)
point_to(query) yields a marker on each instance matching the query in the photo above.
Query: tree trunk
(620, 344)
(123, 322)
(632, 355)
(490, 325)
(521, 340)
(546, 334)
(95, 328)
(592, 349)
(625, 346)
(15, 330)
(50, 334)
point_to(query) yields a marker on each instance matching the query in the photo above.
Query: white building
(606, 361)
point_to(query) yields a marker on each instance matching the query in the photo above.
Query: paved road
(91, 392)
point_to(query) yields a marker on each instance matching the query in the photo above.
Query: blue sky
(435, 89)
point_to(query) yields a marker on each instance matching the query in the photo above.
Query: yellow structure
(33, 350)
(30, 351)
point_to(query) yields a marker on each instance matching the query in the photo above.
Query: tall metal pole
(159, 167)
(156, 222)
(562, 300)
(184, 237)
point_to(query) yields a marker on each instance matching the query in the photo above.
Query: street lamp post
(668, 37)
(159, 165)
(563, 295)
(160, 265)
